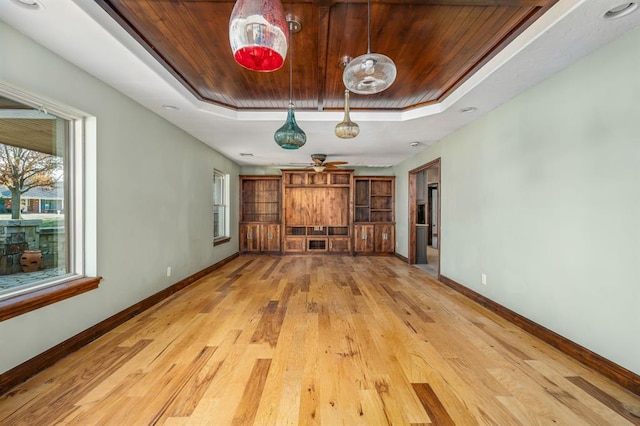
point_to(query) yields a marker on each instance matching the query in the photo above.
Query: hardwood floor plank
(268, 329)
(188, 395)
(432, 404)
(309, 395)
(246, 412)
(630, 412)
(519, 412)
(70, 387)
(280, 404)
(530, 394)
(269, 272)
(318, 340)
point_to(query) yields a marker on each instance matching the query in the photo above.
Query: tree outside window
(34, 233)
(22, 170)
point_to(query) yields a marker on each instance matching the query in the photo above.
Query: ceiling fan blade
(333, 164)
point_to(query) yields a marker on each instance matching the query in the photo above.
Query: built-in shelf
(304, 178)
(374, 198)
(260, 199)
(302, 231)
(260, 213)
(317, 213)
(330, 212)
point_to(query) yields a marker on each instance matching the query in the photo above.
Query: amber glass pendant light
(347, 129)
(290, 135)
(370, 73)
(258, 34)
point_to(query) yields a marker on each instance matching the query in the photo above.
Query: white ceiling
(81, 32)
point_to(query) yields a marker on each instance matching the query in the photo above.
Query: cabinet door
(250, 237)
(385, 238)
(270, 236)
(364, 238)
(339, 245)
(294, 244)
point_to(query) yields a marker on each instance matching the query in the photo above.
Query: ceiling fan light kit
(258, 34)
(319, 163)
(369, 73)
(290, 135)
(347, 129)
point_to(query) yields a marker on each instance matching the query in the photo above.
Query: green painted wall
(152, 189)
(543, 195)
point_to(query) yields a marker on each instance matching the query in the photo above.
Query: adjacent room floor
(431, 267)
(329, 340)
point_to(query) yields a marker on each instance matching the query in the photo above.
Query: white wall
(154, 200)
(543, 195)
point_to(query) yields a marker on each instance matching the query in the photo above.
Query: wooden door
(250, 237)
(364, 238)
(384, 238)
(270, 237)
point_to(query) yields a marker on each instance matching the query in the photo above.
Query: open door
(424, 220)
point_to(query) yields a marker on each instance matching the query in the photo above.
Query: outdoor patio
(23, 278)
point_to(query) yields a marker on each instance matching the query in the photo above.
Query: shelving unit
(374, 221)
(306, 212)
(260, 199)
(362, 201)
(316, 212)
(260, 213)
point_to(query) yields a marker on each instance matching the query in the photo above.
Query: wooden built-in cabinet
(260, 237)
(384, 238)
(304, 211)
(260, 208)
(374, 221)
(363, 238)
(317, 211)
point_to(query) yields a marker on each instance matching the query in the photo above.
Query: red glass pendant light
(258, 34)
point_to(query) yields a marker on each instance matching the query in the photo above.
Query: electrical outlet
(483, 279)
(168, 271)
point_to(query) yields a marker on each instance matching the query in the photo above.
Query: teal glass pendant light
(290, 135)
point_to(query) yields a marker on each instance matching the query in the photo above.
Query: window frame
(80, 129)
(224, 177)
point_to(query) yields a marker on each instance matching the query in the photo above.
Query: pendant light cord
(290, 64)
(369, 26)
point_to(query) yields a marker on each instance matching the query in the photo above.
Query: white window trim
(225, 204)
(80, 158)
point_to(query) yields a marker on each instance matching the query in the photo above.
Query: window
(41, 205)
(220, 207)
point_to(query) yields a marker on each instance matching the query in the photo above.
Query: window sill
(220, 241)
(23, 303)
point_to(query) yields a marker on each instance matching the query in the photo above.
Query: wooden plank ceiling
(436, 45)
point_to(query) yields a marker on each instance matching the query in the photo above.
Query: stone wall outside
(16, 236)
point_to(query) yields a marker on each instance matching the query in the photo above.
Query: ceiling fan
(319, 164)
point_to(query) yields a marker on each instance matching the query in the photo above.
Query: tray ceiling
(436, 46)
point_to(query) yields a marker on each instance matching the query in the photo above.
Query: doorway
(424, 217)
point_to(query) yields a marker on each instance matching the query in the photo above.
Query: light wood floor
(318, 340)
